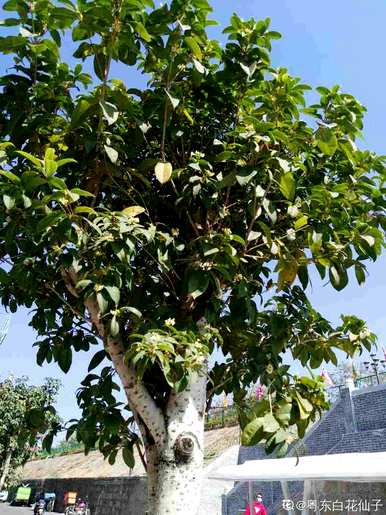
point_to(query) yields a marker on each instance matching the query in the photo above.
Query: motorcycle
(40, 507)
(81, 507)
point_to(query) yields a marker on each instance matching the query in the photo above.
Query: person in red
(258, 507)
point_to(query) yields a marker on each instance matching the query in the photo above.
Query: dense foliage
(26, 414)
(180, 219)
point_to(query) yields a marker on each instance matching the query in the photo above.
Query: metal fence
(333, 392)
(224, 416)
(221, 416)
(373, 380)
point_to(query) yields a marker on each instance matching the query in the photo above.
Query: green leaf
(360, 273)
(128, 456)
(81, 193)
(37, 162)
(270, 424)
(9, 175)
(198, 282)
(81, 285)
(288, 185)
(305, 407)
(8, 201)
(36, 418)
(63, 162)
(243, 177)
(338, 277)
(64, 358)
(199, 67)
(110, 112)
(134, 311)
(114, 293)
(326, 141)
(57, 183)
(84, 210)
(112, 457)
(283, 412)
(50, 165)
(253, 432)
(194, 47)
(142, 31)
(49, 221)
(112, 153)
(303, 276)
(114, 326)
(97, 359)
(102, 303)
(48, 441)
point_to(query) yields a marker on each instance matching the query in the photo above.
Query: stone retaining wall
(107, 496)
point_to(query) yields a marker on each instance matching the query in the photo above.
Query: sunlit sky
(324, 43)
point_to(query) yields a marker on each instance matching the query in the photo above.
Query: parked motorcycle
(40, 507)
(81, 507)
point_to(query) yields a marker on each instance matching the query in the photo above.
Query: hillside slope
(93, 465)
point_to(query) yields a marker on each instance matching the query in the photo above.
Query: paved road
(5, 509)
(14, 510)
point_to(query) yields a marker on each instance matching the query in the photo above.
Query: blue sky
(324, 43)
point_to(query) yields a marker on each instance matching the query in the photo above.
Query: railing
(333, 392)
(221, 416)
(373, 380)
(226, 416)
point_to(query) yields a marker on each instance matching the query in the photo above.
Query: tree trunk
(7, 463)
(174, 469)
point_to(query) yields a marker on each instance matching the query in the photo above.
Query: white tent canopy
(364, 467)
(354, 467)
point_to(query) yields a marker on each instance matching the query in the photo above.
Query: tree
(26, 412)
(167, 223)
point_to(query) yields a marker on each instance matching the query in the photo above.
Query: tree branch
(137, 395)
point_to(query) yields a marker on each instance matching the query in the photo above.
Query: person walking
(258, 507)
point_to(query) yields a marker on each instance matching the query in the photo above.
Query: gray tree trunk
(7, 464)
(174, 469)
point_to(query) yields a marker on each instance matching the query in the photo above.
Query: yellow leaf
(301, 222)
(187, 114)
(133, 210)
(163, 172)
(287, 273)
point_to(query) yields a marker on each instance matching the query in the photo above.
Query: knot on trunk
(183, 448)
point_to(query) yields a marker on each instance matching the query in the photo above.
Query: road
(5, 509)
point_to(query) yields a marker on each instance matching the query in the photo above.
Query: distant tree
(165, 222)
(26, 413)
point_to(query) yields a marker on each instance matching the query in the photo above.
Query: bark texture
(174, 469)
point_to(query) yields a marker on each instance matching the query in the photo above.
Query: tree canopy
(181, 219)
(26, 414)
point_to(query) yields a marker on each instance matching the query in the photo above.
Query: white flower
(170, 322)
(291, 234)
(293, 211)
